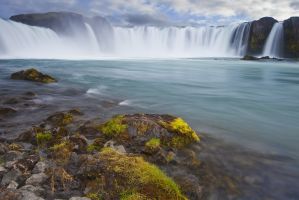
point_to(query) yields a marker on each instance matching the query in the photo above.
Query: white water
(22, 41)
(274, 43)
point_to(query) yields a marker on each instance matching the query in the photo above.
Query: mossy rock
(60, 119)
(138, 129)
(33, 75)
(121, 176)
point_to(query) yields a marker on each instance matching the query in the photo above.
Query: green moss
(114, 126)
(153, 144)
(62, 151)
(43, 138)
(94, 196)
(180, 126)
(67, 119)
(97, 145)
(132, 196)
(132, 173)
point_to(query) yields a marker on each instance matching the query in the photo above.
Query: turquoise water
(254, 104)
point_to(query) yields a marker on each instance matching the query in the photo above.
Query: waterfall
(239, 40)
(274, 43)
(18, 40)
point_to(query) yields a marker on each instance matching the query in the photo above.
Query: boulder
(259, 32)
(291, 37)
(36, 179)
(33, 75)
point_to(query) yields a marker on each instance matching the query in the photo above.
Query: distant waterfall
(240, 38)
(22, 41)
(274, 43)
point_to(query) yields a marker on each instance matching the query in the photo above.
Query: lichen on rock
(33, 75)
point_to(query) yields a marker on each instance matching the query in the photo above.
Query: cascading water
(274, 43)
(239, 40)
(22, 41)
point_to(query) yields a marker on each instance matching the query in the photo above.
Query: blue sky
(160, 12)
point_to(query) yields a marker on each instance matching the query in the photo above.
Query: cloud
(161, 12)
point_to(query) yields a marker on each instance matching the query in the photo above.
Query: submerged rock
(5, 111)
(33, 75)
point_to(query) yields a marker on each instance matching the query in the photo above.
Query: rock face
(61, 22)
(291, 37)
(67, 23)
(259, 31)
(33, 75)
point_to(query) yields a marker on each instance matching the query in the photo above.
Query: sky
(160, 12)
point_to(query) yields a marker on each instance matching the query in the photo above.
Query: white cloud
(212, 11)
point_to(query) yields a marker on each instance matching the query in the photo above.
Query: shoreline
(201, 170)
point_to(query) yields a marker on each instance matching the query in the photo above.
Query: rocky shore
(67, 155)
(130, 156)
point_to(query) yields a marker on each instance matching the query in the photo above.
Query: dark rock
(40, 167)
(37, 190)
(12, 175)
(30, 94)
(26, 164)
(259, 32)
(33, 75)
(6, 111)
(3, 148)
(36, 179)
(10, 194)
(248, 57)
(13, 155)
(265, 58)
(65, 23)
(291, 37)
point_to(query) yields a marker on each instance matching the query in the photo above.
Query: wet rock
(6, 111)
(12, 101)
(36, 179)
(190, 185)
(60, 119)
(30, 94)
(33, 75)
(248, 57)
